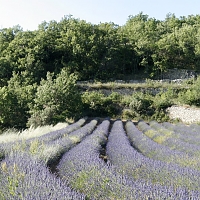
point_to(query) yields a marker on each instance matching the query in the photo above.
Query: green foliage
(140, 104)
(5, 71)
(10, 109)
(160, 115)
(161, 102)
(191, 96)
(14, 100)
(98, 104)
(102, 51)
(148, 106)
(56, 99)
(164, 99)
(13, 106)
(127, 114)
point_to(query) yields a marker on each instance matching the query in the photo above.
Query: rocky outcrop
(185, 114)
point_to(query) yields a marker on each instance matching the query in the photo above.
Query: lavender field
(102, 159)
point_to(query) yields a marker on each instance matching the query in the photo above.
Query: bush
(97, 104)
(191, 96)
(13, 107)
(164, 99)
(127, 114)
(160, 115)
(14, 101)
(9, 108)
(141, 104)
(56, 99)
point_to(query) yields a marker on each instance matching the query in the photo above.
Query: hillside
(39, 70)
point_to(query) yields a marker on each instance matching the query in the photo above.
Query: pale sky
(30, 13)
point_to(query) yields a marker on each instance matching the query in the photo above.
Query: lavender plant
(88, 173)
(134, 164)
(55, 149)
(127, 173)
(24, 145)
(25, 177)
(173, 140)
(188, 134)
(164, 153)
(60, 133)
(49, 149)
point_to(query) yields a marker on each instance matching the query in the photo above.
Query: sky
(30, 13)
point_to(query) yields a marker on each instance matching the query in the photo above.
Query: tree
(9, 109)
(142, 33)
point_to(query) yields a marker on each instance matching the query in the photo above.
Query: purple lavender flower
(25, 177)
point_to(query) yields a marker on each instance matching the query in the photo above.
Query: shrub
(56, 99)
(12, 111)
(141, 104)
(164, 99)
(98, 104)
(191, 96)
(160, 115)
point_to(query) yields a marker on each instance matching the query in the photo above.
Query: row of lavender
(25, 177)
(24, 173)
(188, 134)
(137, 166)
(140, 163)
(176, 150)
(7, 147)
(128, 174)
(182, 138)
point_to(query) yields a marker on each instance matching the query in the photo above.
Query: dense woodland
(101, 51)
(39, 69)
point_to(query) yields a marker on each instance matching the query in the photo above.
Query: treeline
(34, 65)
(101, 51)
